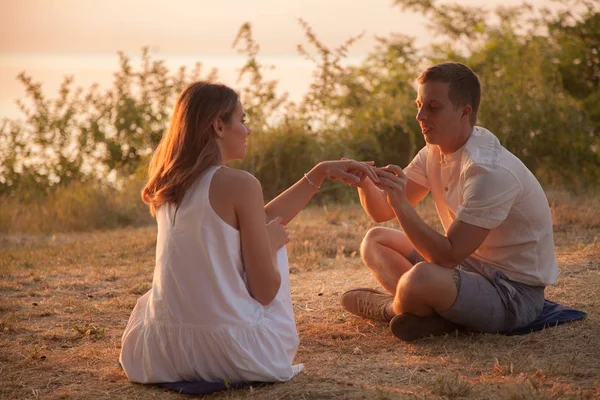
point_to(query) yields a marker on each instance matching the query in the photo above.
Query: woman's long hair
(189, 146)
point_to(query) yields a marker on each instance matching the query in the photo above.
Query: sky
(49, 39)
(200, 26)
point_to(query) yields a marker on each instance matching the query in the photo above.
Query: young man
(488, 271)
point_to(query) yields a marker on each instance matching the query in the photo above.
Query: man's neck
(458, 143)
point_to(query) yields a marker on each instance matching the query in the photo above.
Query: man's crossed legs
(426, 299)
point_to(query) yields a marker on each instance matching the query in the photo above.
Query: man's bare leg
(423, 292)
(426, 289)
(385, 251)
(419, 290)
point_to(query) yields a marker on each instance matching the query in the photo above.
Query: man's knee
(424, 280)
(427, 283)
(369, 243)
(412, 289)
(418, 279)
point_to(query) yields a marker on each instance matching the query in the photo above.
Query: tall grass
(80, 206)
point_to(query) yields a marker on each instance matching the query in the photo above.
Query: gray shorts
(488, 301)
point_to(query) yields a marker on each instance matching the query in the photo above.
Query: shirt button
(446, 189)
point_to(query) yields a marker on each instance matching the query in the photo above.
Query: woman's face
(235, 134)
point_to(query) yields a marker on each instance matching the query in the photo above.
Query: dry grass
(65, 299)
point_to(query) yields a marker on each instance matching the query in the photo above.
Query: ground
(65, 300)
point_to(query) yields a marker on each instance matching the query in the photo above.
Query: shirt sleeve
(416, 170)
(488, 195)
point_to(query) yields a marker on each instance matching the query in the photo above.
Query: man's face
(441, 123)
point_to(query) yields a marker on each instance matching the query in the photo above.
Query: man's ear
(218, 127)
(467, 111)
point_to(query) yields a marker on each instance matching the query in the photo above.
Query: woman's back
(199, 275)
(199, 321)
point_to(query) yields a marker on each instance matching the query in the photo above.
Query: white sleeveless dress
(199, 322)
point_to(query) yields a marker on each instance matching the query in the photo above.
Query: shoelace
(368, 309)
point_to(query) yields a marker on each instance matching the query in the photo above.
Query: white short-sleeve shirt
(485, 185)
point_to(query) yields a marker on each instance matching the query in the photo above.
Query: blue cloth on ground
(552, 314)
(203, 387)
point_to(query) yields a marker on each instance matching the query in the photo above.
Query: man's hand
(393, 182)
(349, 171)
(359, 175)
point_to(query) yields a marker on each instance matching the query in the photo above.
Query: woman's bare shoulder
(236, 181)
(234, 191)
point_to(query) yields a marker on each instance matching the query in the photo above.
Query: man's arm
(461, 240)
(374, 200)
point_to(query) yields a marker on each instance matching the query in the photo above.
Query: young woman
(220, 306)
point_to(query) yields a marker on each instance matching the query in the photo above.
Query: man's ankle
(389, 311)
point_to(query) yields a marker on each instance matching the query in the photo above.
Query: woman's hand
(278, 235)
(350, 171)
(393, 182)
